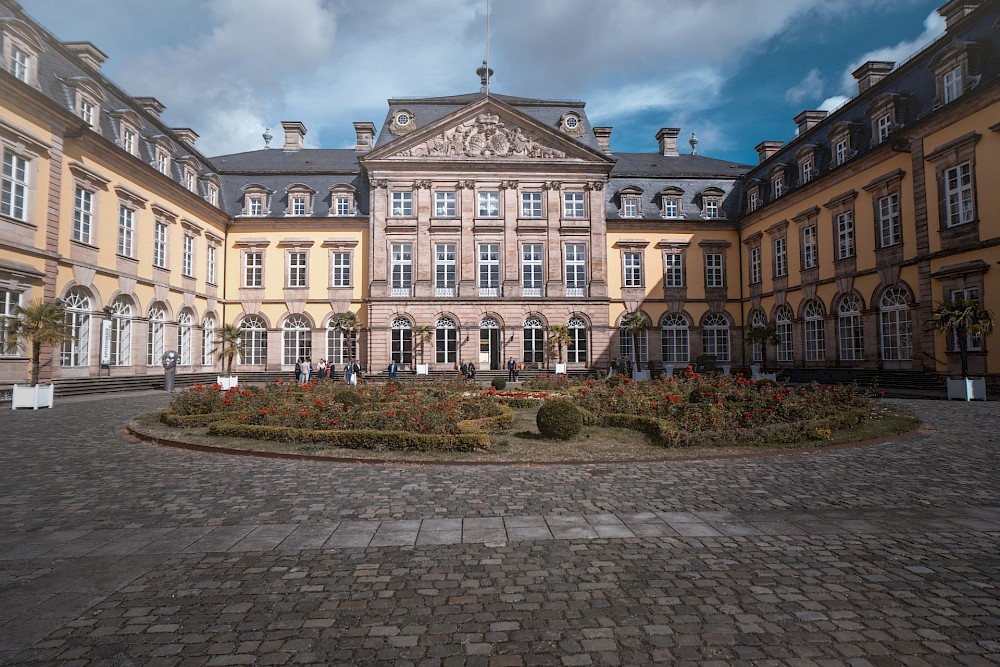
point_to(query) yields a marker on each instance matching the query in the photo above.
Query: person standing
(393, 369)
(464, 368)
(472, 371)
(298, 370)
(511, 366)
(347, 373)
(321, 370)
(355, 372)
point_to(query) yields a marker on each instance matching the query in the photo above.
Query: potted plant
(33, 325)
(228, 339)
(558, 337)
(763, 336)
(963, 318)
(633, 324)
(422, 334)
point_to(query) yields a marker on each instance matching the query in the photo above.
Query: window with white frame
(340, 264)
(163, 162)
(402, 340)
(841, 150)
(576, 269)
(87, 111)
(715, 272)
(126, 231)
(160, 245)
(757, 321)
(20, 64)
(83, 215)
(888, 220)
(9, 300)
(296, 340)
(342, 205)
(121, 332)
(715, 336)
(401, 271)
(297, 270)
(673, 269)
(576, 349)
(573, 205)
(208, 341)
(185, 328)
(253, 341)
(445, 204)
(253, 268)
(810, 247)
(883, 126)
(255, 205)
(77, 308)
(756, 274)
(951, 84)
(533, 341)
(212, 194)
(489, 269)
(402, 204)
(190, 179)
(894, 324)
(671, 207)
(850, 332)
(675, 339)
(298, 205)
(15, 186)
(489, 205)
(156, 334)
(974, 341)
(777, 185)
(958, 195)
(129, 140)
(446, 341)
(713, 207)
(632, 268)
(806, 169)
(753, 200)
(445, 269)
(815, 331)
(783, 330)
(630, 206)
(342, 344)
(531, 269)
(531, 205)
(780, 257)
(212, 254)
(845, 235)
(187, 256)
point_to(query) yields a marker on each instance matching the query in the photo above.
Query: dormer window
(21, 47)
(86, 100)
(951, 84)
(162, 152)
(300, 199)
(840, 144)
(87, 111)
(953, 69)
(255, 198)
(342, 200)
(777, 183)
(884, 118)
(630, 204)
(670, 199)
(806, 159)
(20, 64)
(189, 173)
(212, 194)
(571, 124)
(128, 140)
(711, 203)
(189, 179)
(753, 198)
(712, 207)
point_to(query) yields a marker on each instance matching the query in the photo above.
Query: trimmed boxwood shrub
(400, 441)
(702, 393)
(499, 383)
(171, 418)
(559, 419)
(348, 397)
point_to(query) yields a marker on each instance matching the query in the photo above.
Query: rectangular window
(160, 245)
(531, 204)
(673, 269)
(128, 140)
(212, 256)
(489, 269)
(187, 256)
(806, 171)
(715, 275)
(632, 265)
(712, 208)
(573, 205)
(845, 235)
(444, 204)
(298, 205)
(253, 269)
(756, 275)
(8, 300)
(671, 207)
(489, 205)
(213, 195)
(20, 64)
(531, 269)
(297, 269)
(15, 186)
(342, 205)
(888, 221)
(780, 257)
(958, 194)
(810, 248)
(951, 84)
(256, 205)
(341, 264)
(840, 152)
(777, 187)
(576, 269)
(189, 180)
(402, 204)
(630, 207)
(753, 201)
(163, 164)
(126, 231)
(83, 215)
(445, 270)
(402, 269)
(883, 126)
(87, 111)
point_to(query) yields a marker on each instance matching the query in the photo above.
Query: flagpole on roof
(487, 62)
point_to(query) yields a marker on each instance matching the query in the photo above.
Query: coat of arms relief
(484, 136)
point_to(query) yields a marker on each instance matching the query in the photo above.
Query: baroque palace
(468, 228)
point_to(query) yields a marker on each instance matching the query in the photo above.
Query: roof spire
(484, 72)
(694, 144)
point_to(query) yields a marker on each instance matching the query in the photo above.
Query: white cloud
(811, 87)
(831, 103)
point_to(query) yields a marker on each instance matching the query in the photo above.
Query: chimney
(295, 133)
(88, 53)
(766, 149)
(808, 119)
(186, 135)
(871, 73)
(365, 133)
(150, 105)
(955, 10)
(667, 136)
(603, 136)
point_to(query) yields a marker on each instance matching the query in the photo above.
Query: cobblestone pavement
(115, 552)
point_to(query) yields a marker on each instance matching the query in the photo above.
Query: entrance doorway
(489, 344)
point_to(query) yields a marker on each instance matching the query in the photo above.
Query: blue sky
(733, 71)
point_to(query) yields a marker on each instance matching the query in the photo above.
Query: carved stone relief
(484, 136)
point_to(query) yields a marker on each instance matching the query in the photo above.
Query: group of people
(468, 370)
(306, 370)
(513, 370)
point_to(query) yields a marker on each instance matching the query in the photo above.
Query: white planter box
(967, 389)
(423, 369)
(773, 377)
(669, 370)
(639, 376)
(39, 396)
(227, 382)
(726, 368)
(560, 369)
(754, 370)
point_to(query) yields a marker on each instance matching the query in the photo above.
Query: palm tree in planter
(422, 335)
(228, 339)
(962, 318)
(33, 325)
(559, 336)
(632, 325)
(763, 336)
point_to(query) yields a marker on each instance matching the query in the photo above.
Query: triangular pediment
(487, 130)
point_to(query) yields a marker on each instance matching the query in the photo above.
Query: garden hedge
(380, 441)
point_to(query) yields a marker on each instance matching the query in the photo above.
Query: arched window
(625, 339)
(157, 321)
(675, 339)
(253, 341)
(757, 321)
(76, 352)
(208, 341)
(121, 332)
(783, 329)
(850, 334)
(815, 331)
(402, 341)
(341, 343)
(296, 340)
(715, 336)
(534, 341)
(185, 326)
(576, 351)
(894, 322)
(446, 340)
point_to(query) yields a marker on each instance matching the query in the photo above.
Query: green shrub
(348, 397)
(702, 394)
(559, 419)
(499, 383)
(380, 441)
(614, 380)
